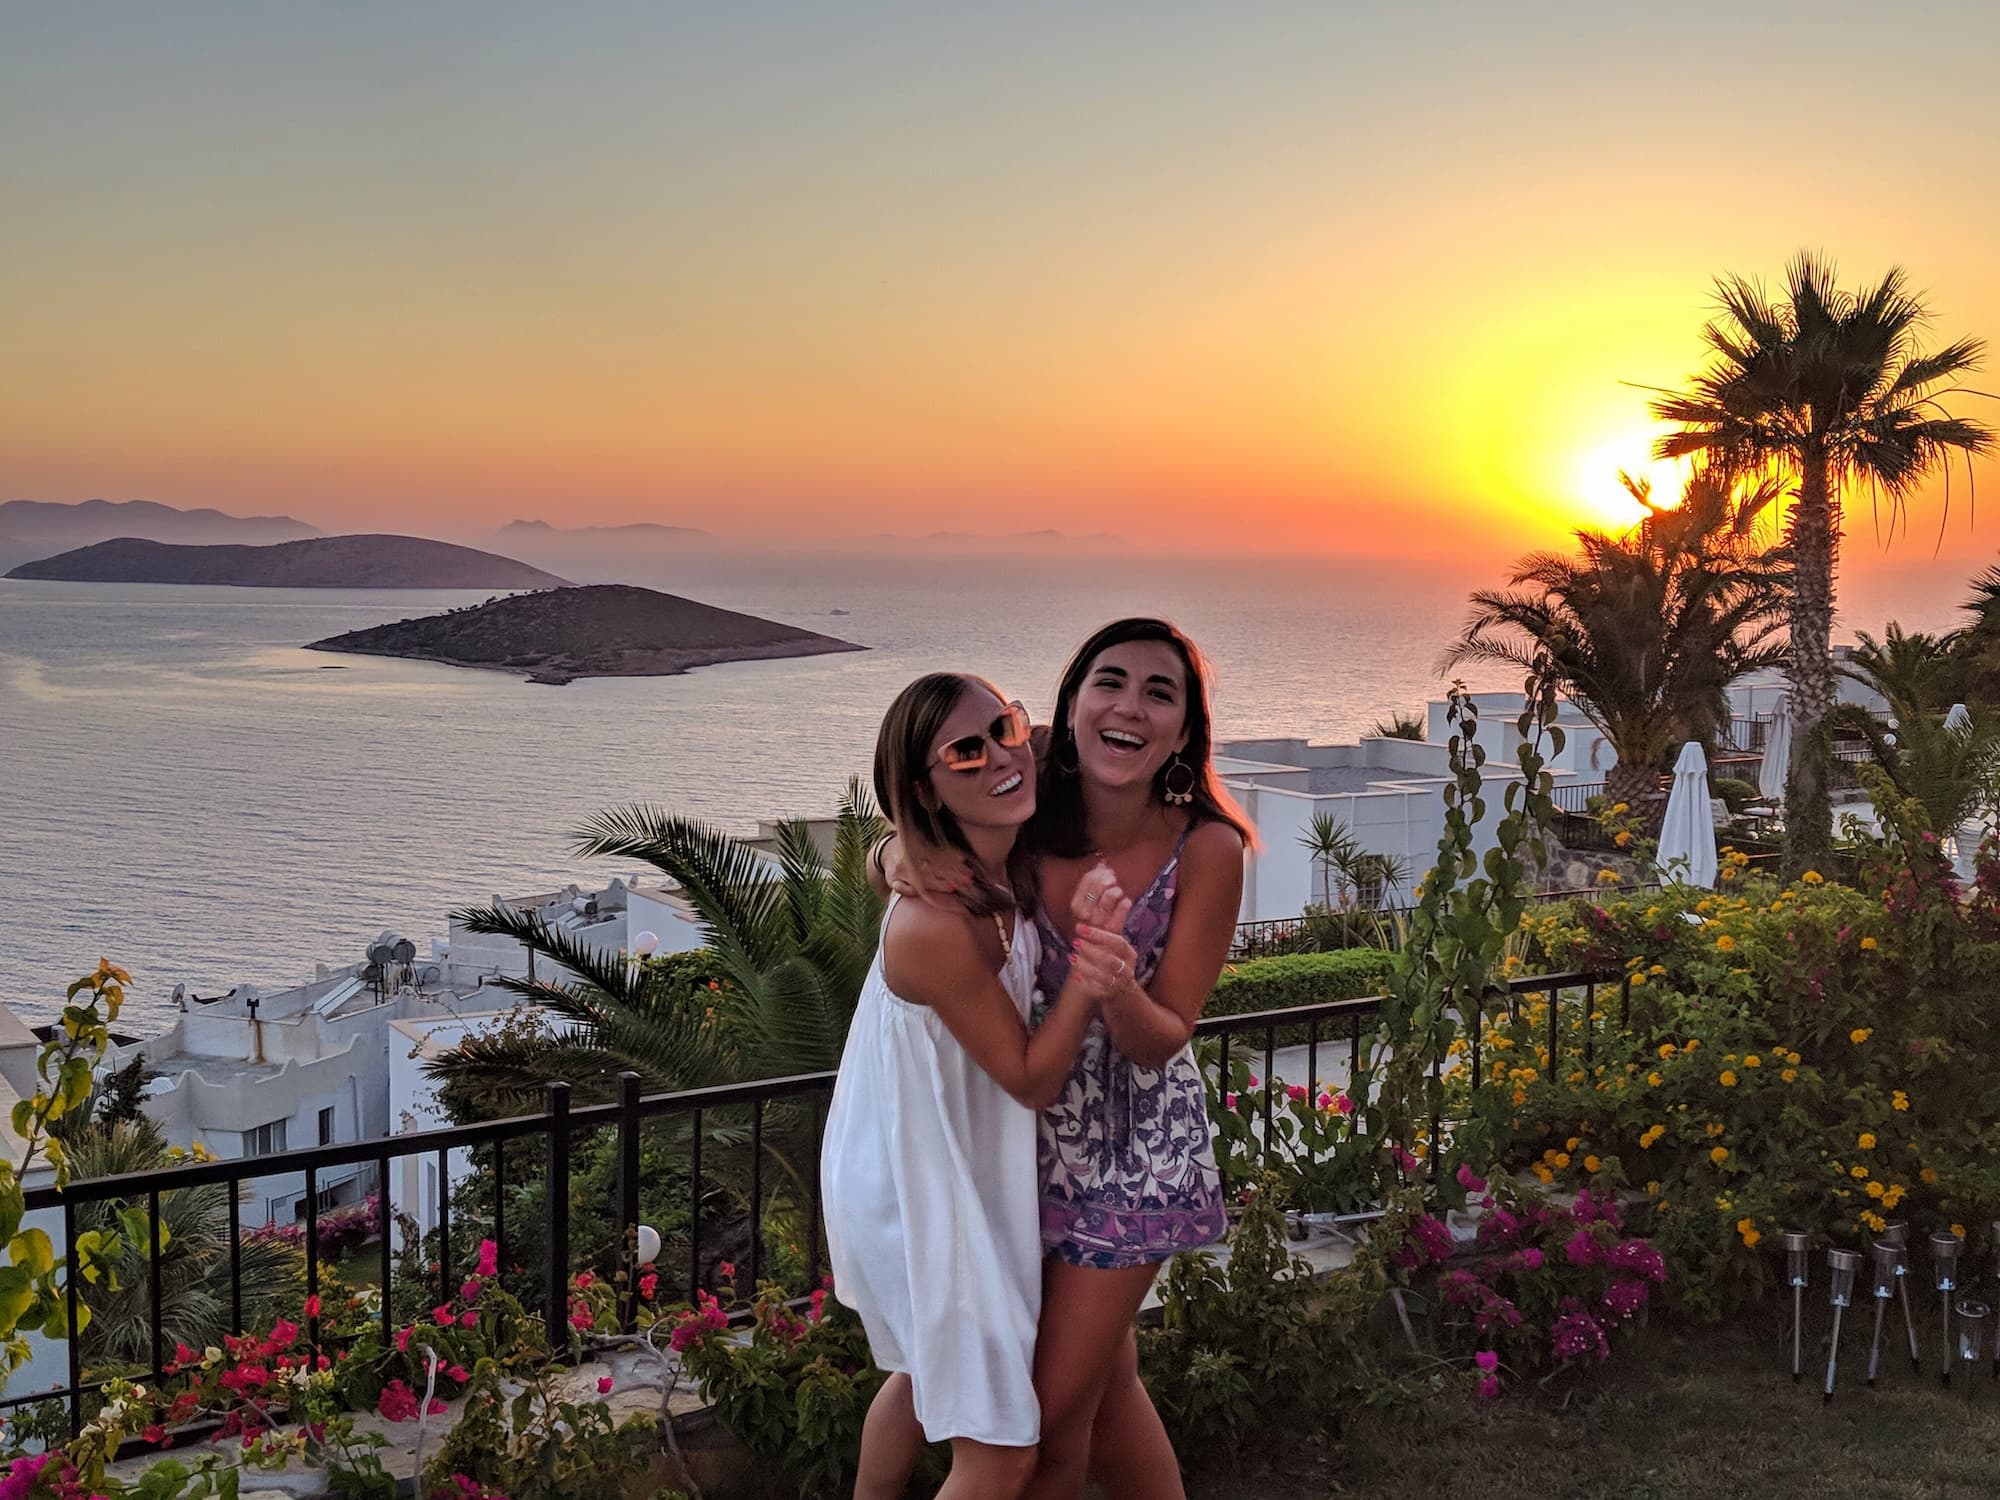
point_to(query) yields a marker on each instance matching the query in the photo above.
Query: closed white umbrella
(1777, 753)
(1962, 846)
(1687, 837)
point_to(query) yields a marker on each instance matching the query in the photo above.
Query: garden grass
(1698, 1413)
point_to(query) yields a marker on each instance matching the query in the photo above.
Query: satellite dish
(405, 951)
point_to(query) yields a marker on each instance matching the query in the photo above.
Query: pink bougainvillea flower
(468, 1291)
(1487, 1360)
(468, 1320)
(604, 1385)
(312, 1305)
(403, 1339)
(1470, 1180)
(489, 1258)
(726, 1269)
(1296, 1093)
(443, 1316)
(1489, 1386)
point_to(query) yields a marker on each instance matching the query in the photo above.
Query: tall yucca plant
(1827, 390)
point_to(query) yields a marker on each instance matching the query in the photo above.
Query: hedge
(1298, 979)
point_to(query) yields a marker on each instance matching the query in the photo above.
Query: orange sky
(1275, 279)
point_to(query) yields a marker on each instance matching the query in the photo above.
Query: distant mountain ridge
(39, 528)
(602, 630)
(544, 531)
(332, 562)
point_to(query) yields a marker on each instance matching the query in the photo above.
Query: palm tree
(194, 1258)
(790, 932)
(1976, 645)
(1952, 768)
(1400, 726)
(1645, 631)
(1915, 672)
(1331, 846)
(1827, 390)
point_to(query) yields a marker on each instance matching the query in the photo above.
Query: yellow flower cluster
(1869, 945)
(1748, 1229)
(1725, 944)
(1653, 1133)
(1899, 1100)
(1860, 1034)
(1727, 1078)
(1718, 1154)
(1866, 1141)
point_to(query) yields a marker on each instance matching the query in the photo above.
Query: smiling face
(1130, 713)
(998, 794)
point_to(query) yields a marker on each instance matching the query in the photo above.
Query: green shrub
(1736, 794)
(1299, 979)
(1809, 1056)
(1256, 1346)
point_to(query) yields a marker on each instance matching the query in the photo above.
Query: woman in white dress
(928, 1169)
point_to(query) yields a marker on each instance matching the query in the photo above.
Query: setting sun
(1602, 499)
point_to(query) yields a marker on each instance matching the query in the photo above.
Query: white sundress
(930, 1189)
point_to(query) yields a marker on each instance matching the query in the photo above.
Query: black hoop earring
(1074, 764)
(1183, 794)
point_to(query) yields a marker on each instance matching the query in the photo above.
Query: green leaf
(33, 1252)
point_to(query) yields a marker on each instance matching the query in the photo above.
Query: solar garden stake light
(1996, 1275)
(1973, 1318)
(1946, 1248)
(1897, 1232)
(1798, 1275)
(1888, 1266)
(1842, 1264)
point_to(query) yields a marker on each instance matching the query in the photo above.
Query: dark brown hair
(1057, 826)
(902, 784)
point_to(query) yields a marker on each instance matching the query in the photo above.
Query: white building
(1384, 791)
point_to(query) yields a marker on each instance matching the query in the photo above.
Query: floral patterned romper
(1127, 1165)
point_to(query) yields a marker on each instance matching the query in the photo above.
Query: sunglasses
(968, 752)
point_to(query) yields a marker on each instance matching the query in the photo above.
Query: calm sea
(185, 790)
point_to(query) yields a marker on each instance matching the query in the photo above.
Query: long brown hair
(902, 782)
(1057, 826)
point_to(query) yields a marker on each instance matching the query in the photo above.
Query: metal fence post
(628, 1194)
(555, 1289)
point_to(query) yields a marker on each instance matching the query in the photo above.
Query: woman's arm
(943, 876)
(1151, 1024)
(932, 958)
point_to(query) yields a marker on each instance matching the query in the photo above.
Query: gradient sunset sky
(1314, 277)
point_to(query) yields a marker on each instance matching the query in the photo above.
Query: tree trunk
(1634, 785)
(1815, 544)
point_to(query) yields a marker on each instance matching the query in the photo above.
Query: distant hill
(332, 562)
(605, 630)
(38, 528)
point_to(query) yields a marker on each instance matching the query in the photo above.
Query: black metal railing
(1345, 1023)
(1337, 1023)
(1574, 796)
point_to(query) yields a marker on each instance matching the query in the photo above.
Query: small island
(324, 562)
(601, 630)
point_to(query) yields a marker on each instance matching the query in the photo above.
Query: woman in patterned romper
(1129, 804)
